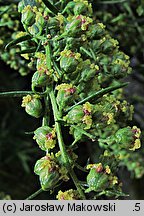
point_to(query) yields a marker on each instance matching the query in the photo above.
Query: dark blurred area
(17, 150)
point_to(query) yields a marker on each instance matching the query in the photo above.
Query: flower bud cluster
(75, 58)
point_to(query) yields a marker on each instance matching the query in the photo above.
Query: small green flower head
(41, 78)
(45, 137)
(75, 115)
(68, 195)
(95, 31)
(82, 7)
(87, 119)
(128, 138)
(97, 179)
(33, 20)
(136, 138)
(33, 105)
(28, 16)
(77, 25)
(69, 60)
(56, 22)
(124, 138)
(66, 95)
(48, 171)
(100, 177)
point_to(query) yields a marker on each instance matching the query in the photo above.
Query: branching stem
(62, 145)
(56, 114)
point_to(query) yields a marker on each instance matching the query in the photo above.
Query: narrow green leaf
(50, 6)
(30, 50)
(98, 94)
(18, 40)
(15, 93)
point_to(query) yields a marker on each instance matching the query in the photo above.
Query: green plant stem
(62, 145)
(46, 117)
(98, 94)
(15, 93)
(48, 56)
(35, 194)
(80, 167)
(58, 128)
(86, 52)
(18, 40)
(84, 132)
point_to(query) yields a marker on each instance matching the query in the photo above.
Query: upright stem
(56, 114)
(46, 118)
(62, 145)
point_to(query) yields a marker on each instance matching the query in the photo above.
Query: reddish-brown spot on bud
(86, 112)
(46, 17)
(49, 136)
(62, 197)
(79, 17)
(70, 91)
(47, 157)
(99, 169)
(71, 55)
(45, 71)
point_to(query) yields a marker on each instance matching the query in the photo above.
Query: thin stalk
(74, 143)
(48, 56)
(62, 145)
(57, 68)
(86, 52)
(15, 93)
(80, 167)
(98, 94)
(93, 54)
(35, 194)
(83, 132)
(46, 118)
